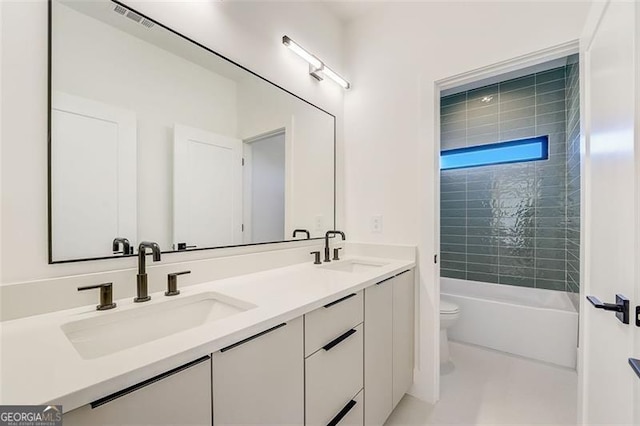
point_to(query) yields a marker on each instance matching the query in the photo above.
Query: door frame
(287, 127)
(247, 172)
(488, 72)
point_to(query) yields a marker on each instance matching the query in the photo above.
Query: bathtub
(533, 323)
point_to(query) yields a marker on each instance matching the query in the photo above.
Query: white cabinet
(352, 414)
(388, 345)
(334, 336)
(180, 396)
(403, 333)
(328, 322)
(378, 352)
(333, 377)
(260, 380)
(347, 363)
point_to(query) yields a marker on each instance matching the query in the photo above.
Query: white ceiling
(348, 10)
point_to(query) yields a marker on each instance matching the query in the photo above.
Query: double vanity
(303, 344)
(322, 342)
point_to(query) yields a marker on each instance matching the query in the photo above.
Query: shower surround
(513, 224)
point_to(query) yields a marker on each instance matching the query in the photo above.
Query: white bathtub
(534, 323)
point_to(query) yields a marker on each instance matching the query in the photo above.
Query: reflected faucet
(126, 246)
(327, 256)
(301, 231)
(143, 292)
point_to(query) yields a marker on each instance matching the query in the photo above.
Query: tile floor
(492, 388)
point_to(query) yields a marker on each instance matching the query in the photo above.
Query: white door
(207, 188)
(610, 391)
(93, 177)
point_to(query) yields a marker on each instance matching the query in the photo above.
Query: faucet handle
(172, 283)
(317, 257)
(106, 295)
(335, 253)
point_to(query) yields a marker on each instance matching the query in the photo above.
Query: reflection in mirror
(153, 137)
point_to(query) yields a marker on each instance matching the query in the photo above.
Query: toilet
(449, 314)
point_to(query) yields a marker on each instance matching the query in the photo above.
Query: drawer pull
(104, 400)
(403, 272)
(255, 336)
(342, 413)
(385, 280)
(335, 302)
(338, 339)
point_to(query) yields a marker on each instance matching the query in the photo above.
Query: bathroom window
(517, 151)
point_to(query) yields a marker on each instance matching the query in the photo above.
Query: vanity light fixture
(335, 77)
(317, 68)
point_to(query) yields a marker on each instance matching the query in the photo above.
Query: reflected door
(93, 177)
(207, 193)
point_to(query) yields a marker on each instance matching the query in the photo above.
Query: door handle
(635, 365)
(621, 307)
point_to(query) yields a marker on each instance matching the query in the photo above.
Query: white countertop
(41, 366)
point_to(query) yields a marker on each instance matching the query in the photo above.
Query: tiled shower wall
(573, 176)
(507, 223)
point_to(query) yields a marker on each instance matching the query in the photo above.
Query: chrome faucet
(327, 256)
(143, 292)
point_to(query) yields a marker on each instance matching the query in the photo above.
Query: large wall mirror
(154, 137)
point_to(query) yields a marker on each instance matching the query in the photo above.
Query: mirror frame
(207, 49)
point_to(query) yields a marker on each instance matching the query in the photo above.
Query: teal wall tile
(515, 224)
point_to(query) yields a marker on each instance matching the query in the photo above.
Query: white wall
(309, 151)
(396, 53)
(96, 61)
(248, 33)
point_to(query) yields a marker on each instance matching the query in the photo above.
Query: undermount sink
(354, 265)
(115, 331)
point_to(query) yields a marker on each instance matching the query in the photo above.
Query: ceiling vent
(134, 16)
(121, 10)
(147, 23)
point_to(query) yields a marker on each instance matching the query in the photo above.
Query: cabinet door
(378, 352)
(181, 396)
(403, 334)
(261, 379)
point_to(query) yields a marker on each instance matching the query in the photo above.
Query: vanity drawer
(352, 414)
(333, 376)
(326, 323)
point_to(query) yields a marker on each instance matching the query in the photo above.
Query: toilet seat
(448, 308)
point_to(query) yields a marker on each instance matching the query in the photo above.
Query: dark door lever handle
(621, 307)
(606, 306)
(635, 365)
